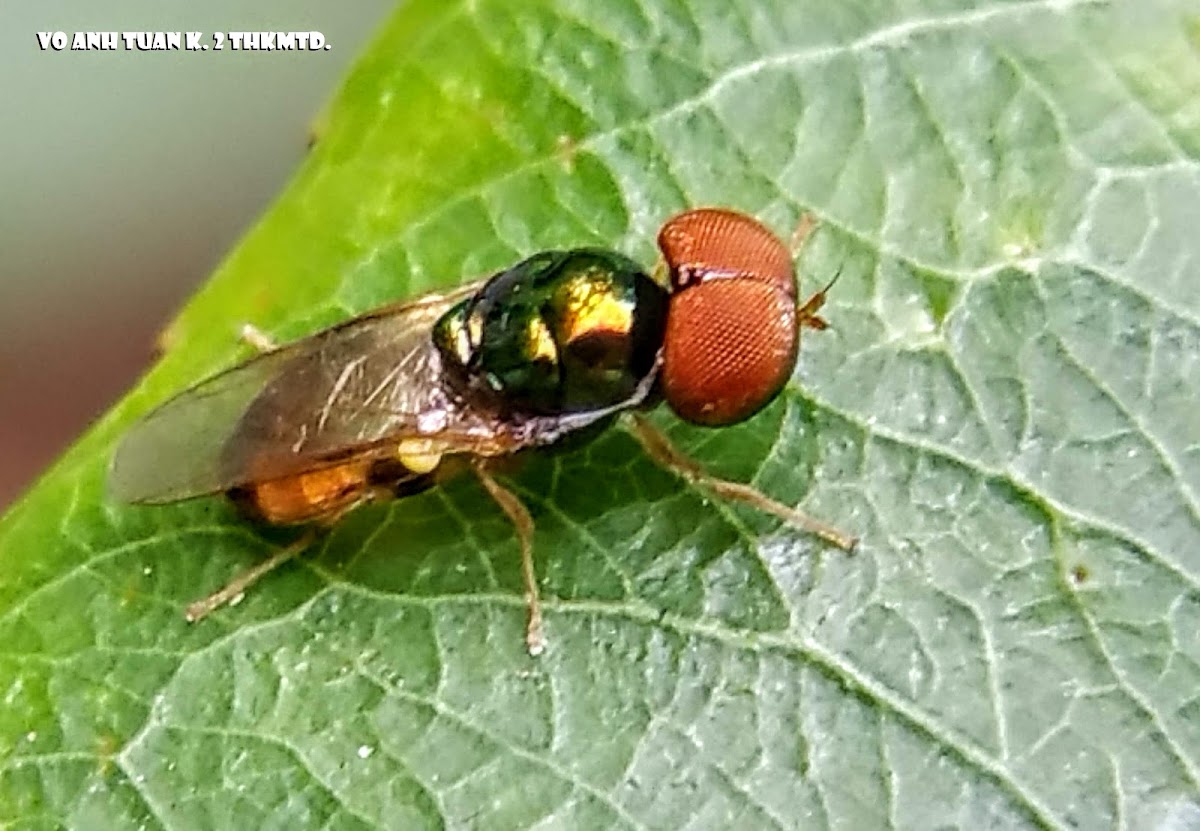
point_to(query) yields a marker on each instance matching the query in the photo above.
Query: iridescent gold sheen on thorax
(395, 401)
(588, 306)
(563, 331)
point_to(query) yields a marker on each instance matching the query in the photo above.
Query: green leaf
(1004, 408)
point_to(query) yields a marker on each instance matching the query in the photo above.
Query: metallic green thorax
(560, 332)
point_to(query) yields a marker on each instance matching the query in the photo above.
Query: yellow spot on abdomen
(419, 455)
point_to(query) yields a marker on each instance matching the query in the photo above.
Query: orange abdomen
(304, 497)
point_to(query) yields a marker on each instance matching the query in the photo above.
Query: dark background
(124, 179)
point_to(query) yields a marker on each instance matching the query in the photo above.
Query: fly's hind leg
(659, 448)
(237, 587)
(535, 639)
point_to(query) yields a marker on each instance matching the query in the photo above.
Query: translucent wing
(354, 390)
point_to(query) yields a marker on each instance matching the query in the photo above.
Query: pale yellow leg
(659, 448)
(535, 639)
(260, 340)
(237, 587)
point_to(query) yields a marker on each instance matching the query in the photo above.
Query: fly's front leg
(535, 639)
(659, 448)
(257, 338)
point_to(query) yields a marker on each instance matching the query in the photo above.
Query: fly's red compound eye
(732, 327)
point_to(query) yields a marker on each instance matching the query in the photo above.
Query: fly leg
(659, 448)
(236, 587)
(260, 340)
(402, 483)
(535, 639)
